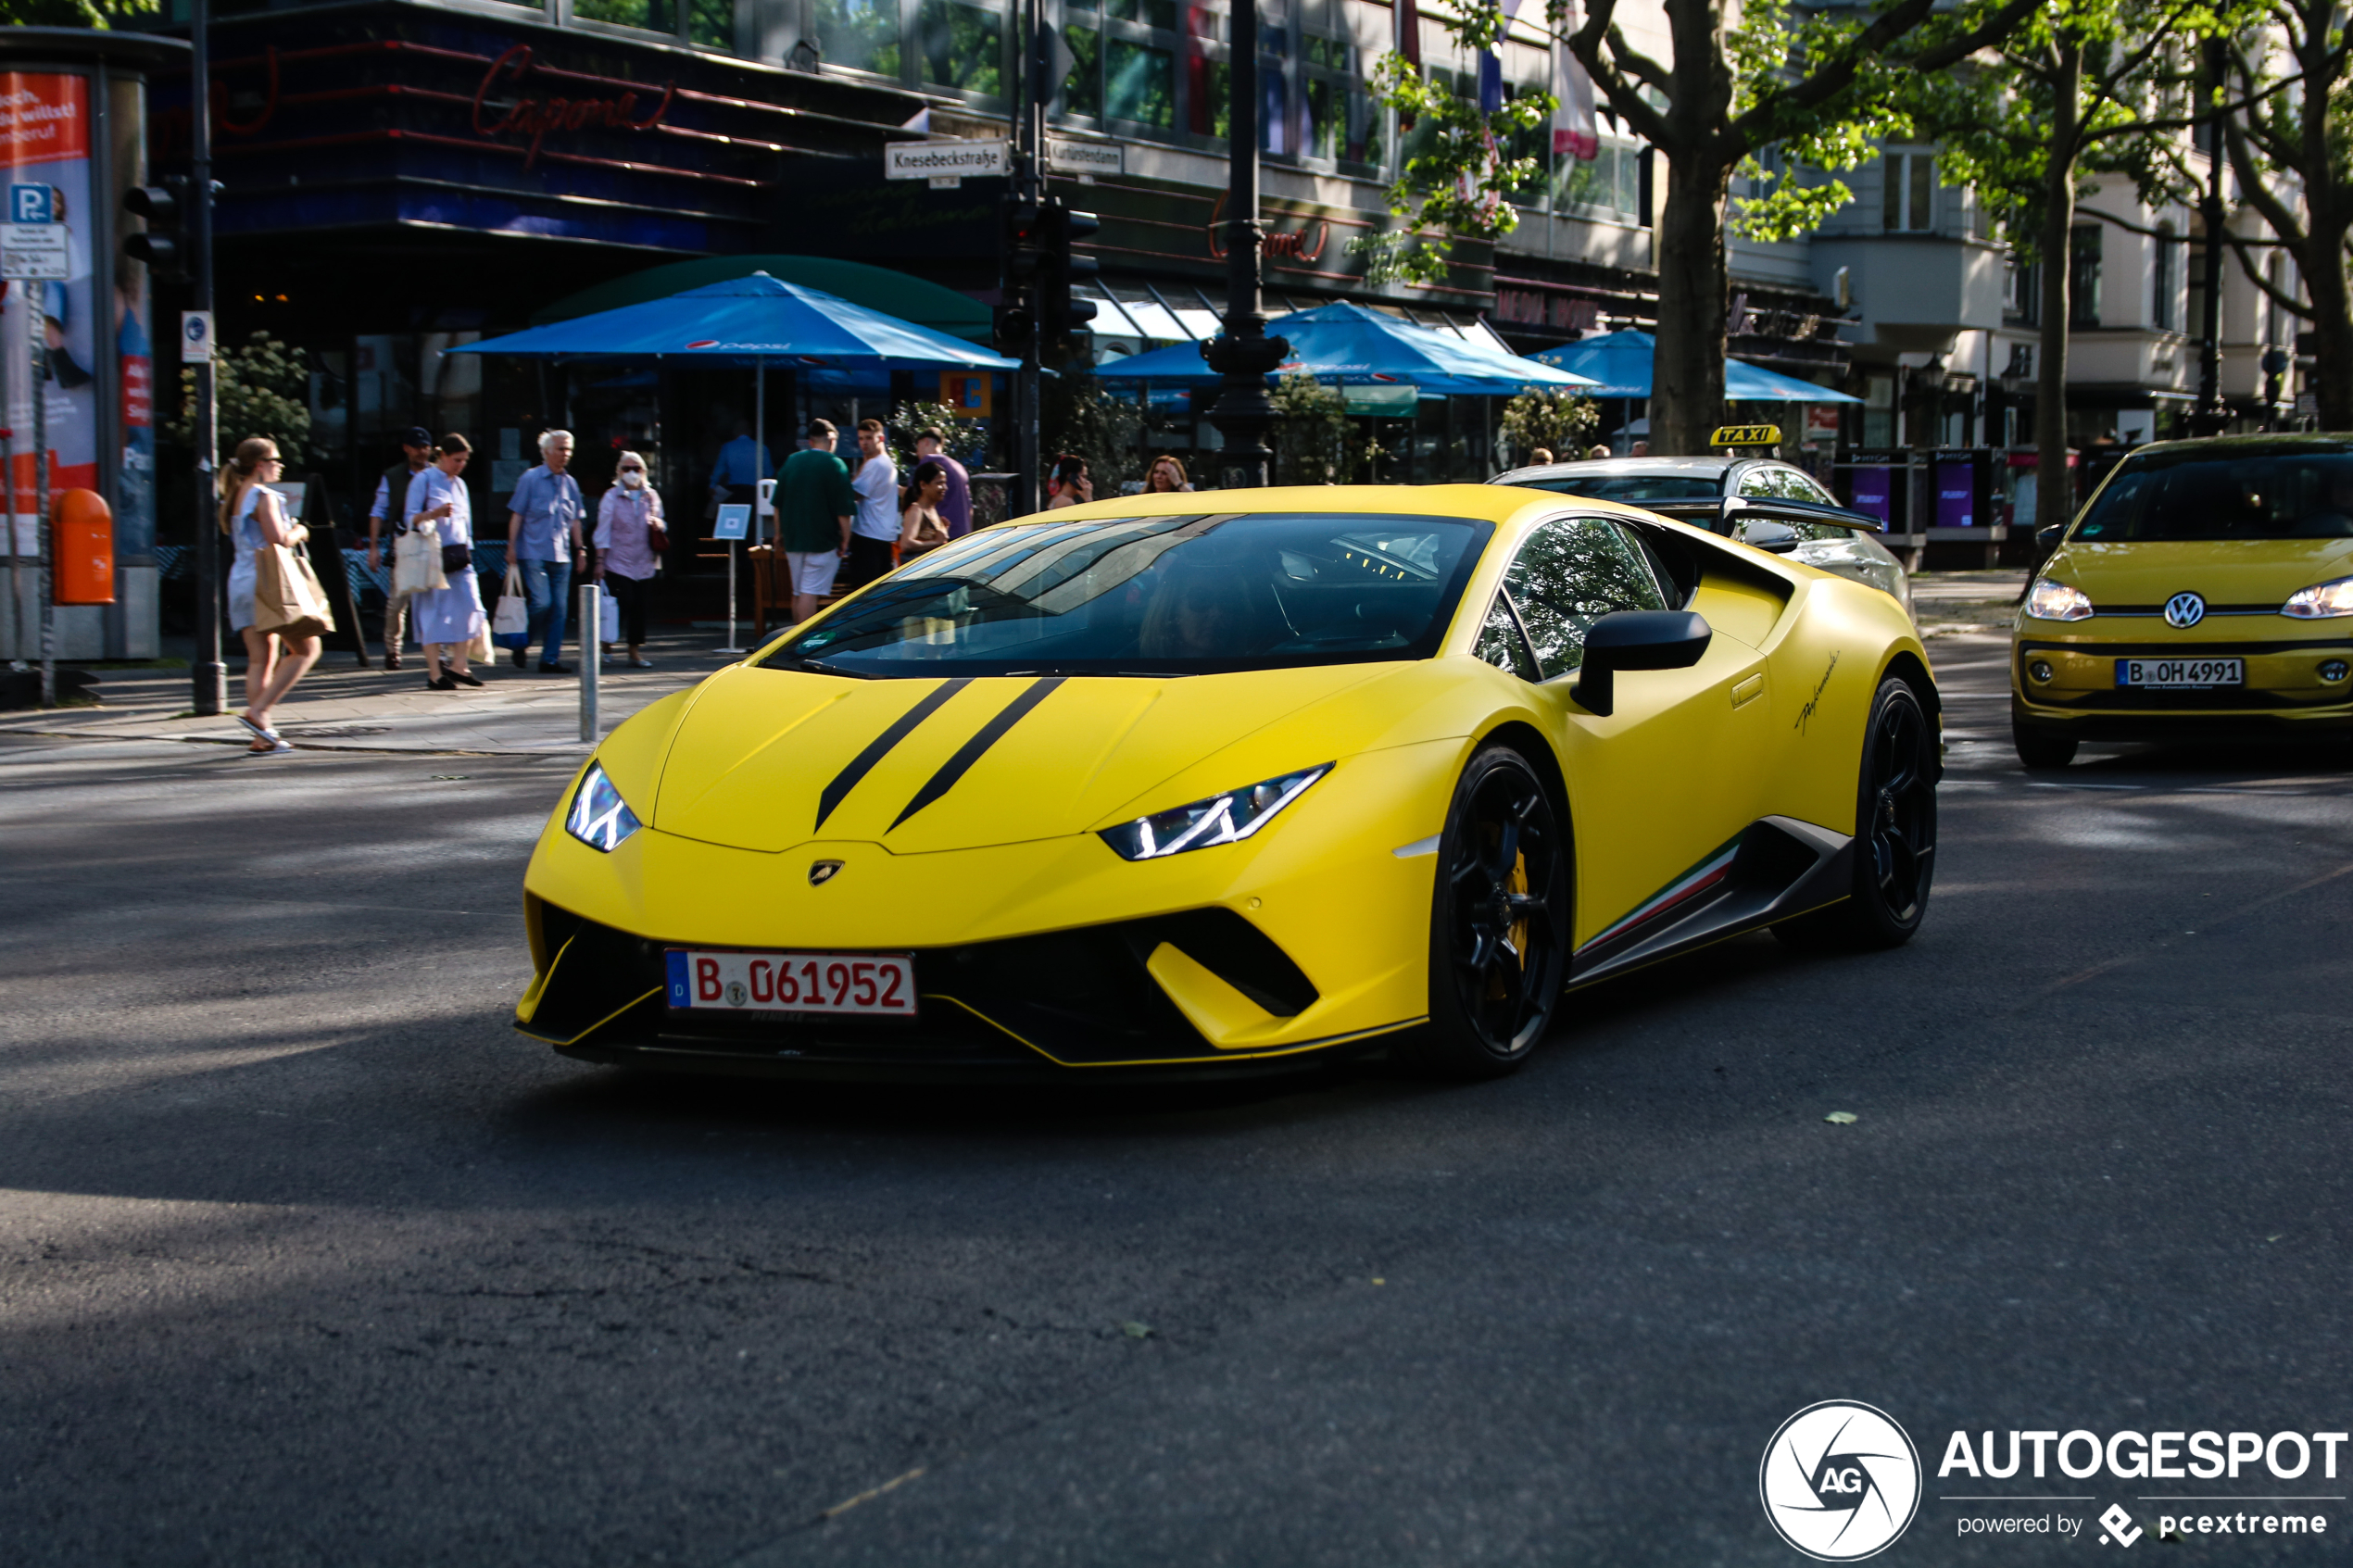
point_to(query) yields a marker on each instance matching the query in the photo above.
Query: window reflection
(1140, 84)
(960, 45)
(859, 35)
(1568, 575)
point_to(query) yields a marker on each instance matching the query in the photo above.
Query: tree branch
(2286, 302)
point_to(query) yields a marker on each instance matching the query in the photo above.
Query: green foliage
(1551, 418)
(965, 440)
(261, 389)
(1078, 416)
(1313, 436)
(1458, 176)
(69, 13)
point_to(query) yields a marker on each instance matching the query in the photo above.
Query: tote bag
(287, 599)
(510, 623)
(416, 561)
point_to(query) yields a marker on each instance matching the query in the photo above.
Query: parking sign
(32, 204)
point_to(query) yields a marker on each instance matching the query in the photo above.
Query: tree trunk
(2053, 485)
(1687, 371)
(2322, 260)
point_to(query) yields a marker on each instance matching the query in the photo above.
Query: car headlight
(1221, 818)
(2057, 601)
(600, 817)
(2321, 600)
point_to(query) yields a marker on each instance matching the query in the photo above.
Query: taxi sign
(1747, 435)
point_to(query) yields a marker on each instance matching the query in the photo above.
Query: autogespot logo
(1840, 1481)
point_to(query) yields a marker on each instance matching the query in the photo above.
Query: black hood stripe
(880, 748)
(956, 767)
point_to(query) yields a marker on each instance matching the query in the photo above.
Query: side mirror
(1635, 639)
(1767, 534)
(2046, 540)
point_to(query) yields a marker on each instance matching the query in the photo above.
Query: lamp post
(1243, 354)
(210, 676)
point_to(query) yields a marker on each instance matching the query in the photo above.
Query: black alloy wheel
(1499, 921)
(1894, 848)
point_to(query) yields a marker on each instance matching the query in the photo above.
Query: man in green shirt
(815, 504)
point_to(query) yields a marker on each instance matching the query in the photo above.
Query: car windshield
(1635, 488)
(1156, 595)
(2203, 494)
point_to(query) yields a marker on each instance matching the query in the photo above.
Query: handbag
(510, 625)
(287, 599)
(657, 539)
(456, 559)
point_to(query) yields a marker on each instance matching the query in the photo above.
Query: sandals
(257, 732)
(272, 747)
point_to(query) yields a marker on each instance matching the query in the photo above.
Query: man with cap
(386, 523)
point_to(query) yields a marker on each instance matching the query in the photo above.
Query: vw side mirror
(1767, 534)
(1635, 639)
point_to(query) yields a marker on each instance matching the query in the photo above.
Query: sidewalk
(340, 707)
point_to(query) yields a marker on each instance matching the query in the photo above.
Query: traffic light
(160, 248)
(1061, 314)
(1023, 252)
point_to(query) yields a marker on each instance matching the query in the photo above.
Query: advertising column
(45, 163)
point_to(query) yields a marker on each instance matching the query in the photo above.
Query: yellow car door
(1660, 787)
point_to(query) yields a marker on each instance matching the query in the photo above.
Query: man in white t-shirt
(873, 535)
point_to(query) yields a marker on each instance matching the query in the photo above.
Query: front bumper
(2285, 694)
(1026, 1007)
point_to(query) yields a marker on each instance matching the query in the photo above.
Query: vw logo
(1840, 1481)
(2185, 611)
(823, 872)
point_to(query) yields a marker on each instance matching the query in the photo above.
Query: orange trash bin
(81, 548)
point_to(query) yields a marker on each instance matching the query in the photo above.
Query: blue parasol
(1351, 344)
(1621, 362)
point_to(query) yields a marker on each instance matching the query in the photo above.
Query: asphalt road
(305, 1259)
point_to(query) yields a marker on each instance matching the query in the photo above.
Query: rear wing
(1731, 515)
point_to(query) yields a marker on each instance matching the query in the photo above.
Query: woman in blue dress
(447, 620)
(254, 518)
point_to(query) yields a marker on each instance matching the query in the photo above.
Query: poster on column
(45, 142)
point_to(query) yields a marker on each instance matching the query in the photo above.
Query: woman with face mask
(630, 537)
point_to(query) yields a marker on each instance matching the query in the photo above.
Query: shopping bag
(416, 561)
(607, 613)
(287, 600)
(510, 623)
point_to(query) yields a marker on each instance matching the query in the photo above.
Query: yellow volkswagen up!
(2205, 589)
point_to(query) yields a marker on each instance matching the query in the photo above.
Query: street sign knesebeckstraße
(1086, 157)
(34, 251)
(196, 336)
(935, 160)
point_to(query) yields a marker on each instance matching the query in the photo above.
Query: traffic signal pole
(1243, 354)
(210, 677)
(1028, 185)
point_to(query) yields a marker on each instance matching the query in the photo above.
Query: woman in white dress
(254, 518)
(447, 620)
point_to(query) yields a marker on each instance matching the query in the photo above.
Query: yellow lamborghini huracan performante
(1186, 784)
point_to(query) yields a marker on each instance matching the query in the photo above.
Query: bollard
(592, 654)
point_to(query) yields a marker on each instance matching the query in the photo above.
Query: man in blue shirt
(743, 463)
(543, 540)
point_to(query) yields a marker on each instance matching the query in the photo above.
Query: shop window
(1140, 84)
(1159, 13)
(1879, 412)
(2084, 278)
(654, 15)
(1083, 88)
(859, 35)
(962, 46)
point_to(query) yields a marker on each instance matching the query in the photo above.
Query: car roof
(2279, 444)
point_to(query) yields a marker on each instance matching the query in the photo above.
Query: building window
(2084, 278)
(963, 46)
(1907, 191)
(1610, 185)
(710, 24)
(858, 34)
(2161, 280)
(2022, 291)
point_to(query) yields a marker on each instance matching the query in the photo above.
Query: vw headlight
(1221, 818)
(600, 817)
(2057, 601)
(2320, 601)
